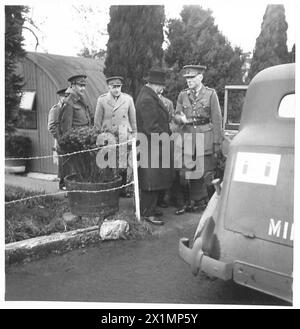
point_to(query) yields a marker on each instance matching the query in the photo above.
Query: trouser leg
(148, 202)
(198, 189)
(180, 191)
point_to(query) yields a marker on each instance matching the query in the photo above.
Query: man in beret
(153, 117)
(198, 112)
(53, 124)
(115, 113)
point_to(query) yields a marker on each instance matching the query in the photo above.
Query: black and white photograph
(149, 155)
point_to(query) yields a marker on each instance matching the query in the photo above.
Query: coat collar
(115, 104)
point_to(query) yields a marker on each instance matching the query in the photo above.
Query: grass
(44, 215)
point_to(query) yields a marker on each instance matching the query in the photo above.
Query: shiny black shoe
(153, 220)
(180, 211)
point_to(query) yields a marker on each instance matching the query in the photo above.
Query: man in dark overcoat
(153, 117)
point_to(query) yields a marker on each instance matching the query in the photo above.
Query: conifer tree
(135, 43)
(195, 39)
(271, 44)
(14, 51)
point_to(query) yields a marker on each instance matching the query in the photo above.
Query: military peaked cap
(79, 78)
(61, 92)
(193, 70)
(115, 81)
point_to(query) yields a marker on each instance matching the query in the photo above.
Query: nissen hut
(44, 74)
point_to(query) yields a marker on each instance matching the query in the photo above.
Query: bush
(17, 146)
(84, 164)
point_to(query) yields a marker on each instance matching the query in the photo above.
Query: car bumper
(255, 277)
(198, 261)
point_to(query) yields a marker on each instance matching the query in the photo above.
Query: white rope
(68, 154)
(72, 191)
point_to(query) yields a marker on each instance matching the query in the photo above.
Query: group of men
(197, 112)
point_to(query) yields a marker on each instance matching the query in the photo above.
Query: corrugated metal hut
(44, 74)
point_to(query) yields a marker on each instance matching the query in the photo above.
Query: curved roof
(59, 68)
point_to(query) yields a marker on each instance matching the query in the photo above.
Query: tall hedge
(195, 39)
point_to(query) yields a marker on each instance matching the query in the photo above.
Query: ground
(43, 216)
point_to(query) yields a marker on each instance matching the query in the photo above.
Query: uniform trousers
(149, 202)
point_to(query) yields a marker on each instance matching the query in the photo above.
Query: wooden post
(135, 180)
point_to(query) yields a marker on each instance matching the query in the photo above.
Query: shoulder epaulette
(211, 89)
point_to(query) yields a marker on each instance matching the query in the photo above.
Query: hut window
(27, 110)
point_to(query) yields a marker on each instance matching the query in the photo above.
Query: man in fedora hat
(152, 117)
(198, 112)
(115, 113)
(53, 124)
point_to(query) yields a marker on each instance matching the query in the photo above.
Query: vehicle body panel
(246, 232)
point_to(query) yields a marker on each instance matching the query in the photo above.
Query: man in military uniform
(115, 113)
(53, 125)
(75, 113)
(198, 112)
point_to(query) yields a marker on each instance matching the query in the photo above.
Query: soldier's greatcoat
(152, 117)
(74, 114)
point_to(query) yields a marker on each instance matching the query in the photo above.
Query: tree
(135, 43)
(271, 44)
(92, 53)
(90, 30)
(14, 51)
(195, 39)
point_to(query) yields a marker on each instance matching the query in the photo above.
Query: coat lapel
(110, 100)
(120, 101)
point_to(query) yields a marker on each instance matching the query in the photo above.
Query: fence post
(135, 180)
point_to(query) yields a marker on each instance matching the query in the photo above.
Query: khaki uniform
(203, 113)
(75, 113)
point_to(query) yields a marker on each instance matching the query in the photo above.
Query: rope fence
(134, 182)
(68, 154)
(71, 191)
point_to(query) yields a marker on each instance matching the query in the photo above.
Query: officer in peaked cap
(115, 113)
(76, 111)
(197, 112)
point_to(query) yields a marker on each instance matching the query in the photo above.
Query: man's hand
(217, 150)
